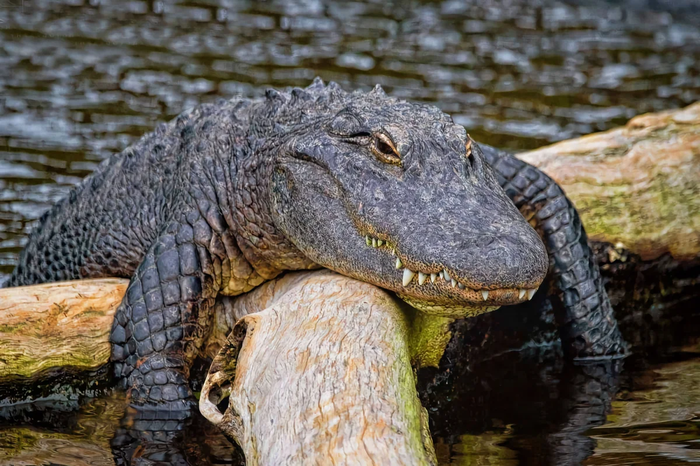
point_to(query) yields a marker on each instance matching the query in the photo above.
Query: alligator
(231, 194)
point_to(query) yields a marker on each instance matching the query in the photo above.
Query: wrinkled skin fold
(229, 195)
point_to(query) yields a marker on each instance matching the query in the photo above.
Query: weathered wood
(57, 325)
(318, 371)
(638, 185)
(324, 371)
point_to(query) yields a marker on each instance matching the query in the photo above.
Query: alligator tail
(587, 324)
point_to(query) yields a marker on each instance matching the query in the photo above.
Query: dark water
(525, 409)
(80, 80)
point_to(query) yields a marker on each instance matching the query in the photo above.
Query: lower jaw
(456, 311)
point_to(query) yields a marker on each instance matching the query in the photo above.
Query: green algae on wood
(58, 325)
(638, 185)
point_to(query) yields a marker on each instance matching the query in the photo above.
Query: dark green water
(80, 80)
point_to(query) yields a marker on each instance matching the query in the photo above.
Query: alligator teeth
(399, 264)
(441, 275)
(393, 251)
(521, 293)
(454, 283)
(368, 240)
(531, 293)
(374, 242)
(379, 242)
(421, 278)
(433, 276)
(460, 286)
(447, 275)
(485, 295)
(408, 276)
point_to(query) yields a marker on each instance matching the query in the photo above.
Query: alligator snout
(486, 271)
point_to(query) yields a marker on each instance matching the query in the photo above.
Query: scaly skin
(587, 324)
(229, 195)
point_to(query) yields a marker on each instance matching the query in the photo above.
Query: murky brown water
(80, 80)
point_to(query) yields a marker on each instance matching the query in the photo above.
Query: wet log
(318, 364)
(317, 370)
(63, 325)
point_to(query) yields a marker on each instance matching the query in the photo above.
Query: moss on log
(637, 186)
(57, 325)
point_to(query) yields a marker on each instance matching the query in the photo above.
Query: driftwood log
(638, 186)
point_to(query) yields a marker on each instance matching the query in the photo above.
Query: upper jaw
(436, 286)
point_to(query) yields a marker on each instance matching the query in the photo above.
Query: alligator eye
(385, 150)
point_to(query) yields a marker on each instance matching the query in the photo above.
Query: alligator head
(395, 194)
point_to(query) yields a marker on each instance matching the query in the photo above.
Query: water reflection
(79, 438)
(100, 433)
(529, 409)
(520, 408)
(534, 408)
(192, 441)
(655, 420)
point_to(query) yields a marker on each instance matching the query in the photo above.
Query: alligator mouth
(436, 281)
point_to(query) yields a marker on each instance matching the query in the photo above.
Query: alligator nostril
(482, 242)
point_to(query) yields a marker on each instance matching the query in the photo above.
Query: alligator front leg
(585, 316)
(160, 324)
